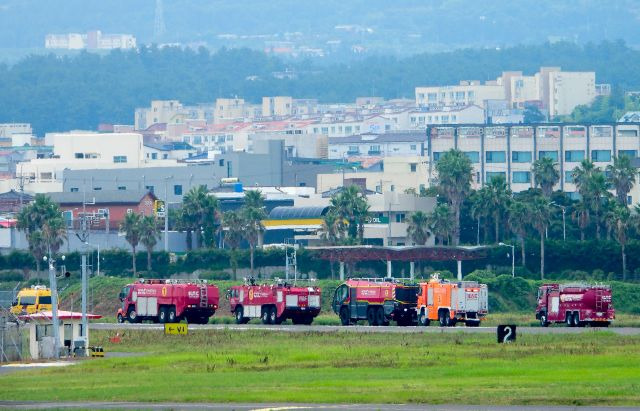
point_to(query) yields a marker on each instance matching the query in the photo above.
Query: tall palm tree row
(418, 227)
(546, 174)
(130, 226)
(351, 209)
(253, 212)
(199, 214)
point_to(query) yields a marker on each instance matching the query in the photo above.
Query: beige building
(397, 174)
(277, 106)
(464, 94)
(228, 110)
(567, 90)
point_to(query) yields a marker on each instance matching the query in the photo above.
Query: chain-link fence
(12, 337)
(6, 298)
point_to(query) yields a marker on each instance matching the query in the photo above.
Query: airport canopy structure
(389, 254)
(399, 253)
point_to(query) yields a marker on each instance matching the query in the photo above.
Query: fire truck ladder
(599, 294)
(204, 299)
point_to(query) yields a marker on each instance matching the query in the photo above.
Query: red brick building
(104, 209)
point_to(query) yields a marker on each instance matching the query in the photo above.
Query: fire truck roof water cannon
(575, 305)
(274, 303)
(168, 301)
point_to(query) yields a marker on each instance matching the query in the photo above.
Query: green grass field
(596, 368)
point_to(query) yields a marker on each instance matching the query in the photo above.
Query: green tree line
(59, 93)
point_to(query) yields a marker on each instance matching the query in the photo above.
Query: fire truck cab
(274, 303)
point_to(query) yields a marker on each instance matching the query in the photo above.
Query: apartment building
(92, 40)
(278, 106)
(378, 145)
(472, 114)
(510, 150)
(465, 94)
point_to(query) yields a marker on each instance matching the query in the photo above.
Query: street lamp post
(513, 257)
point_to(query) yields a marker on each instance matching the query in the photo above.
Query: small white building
(70, 332)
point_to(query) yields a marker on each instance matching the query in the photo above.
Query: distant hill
(403, 26)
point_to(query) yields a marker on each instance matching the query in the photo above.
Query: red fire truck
(376, 300)
(168, 301)
(575, 304)
(274, 303)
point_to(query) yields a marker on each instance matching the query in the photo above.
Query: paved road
(34, 405)
(366, 329)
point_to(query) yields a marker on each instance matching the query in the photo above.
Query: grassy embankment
(255, 366)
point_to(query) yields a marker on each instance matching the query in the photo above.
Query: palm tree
(454, 182)
(480, 209)
(540, 214)
(42, 223)
(332, 228)
(499, 196)
(545, 174)
(441, 223)
(149, 236)
(199, 214)
(592, 185)
(621, 220)
(233, 226)
(519, 213)
(417, 229)
(621, 175)
(581, 216)
(130, 226)
(351, 206)
(252, 215)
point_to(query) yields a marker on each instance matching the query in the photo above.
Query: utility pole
(166, 215)
(54, 303)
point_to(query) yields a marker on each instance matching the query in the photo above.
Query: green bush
(215, 276)
(11, 276)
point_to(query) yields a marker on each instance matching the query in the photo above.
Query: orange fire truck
(451, 302)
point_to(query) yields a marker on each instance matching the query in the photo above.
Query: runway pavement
(367, 329)
(34, 405)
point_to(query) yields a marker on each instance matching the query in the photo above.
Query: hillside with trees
(56, 93)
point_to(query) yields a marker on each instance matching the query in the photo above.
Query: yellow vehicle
(32, 300)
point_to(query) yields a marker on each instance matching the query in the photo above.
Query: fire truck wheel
(239, 316)
(162, 315)
(307, 320)
(265, 316)
(132, 315)
(569, 319)
(273, 316)
(120, 318)
(344, 316)
(171, 315)
(576, 320)
(380, 316)
(371, 316)
(423, 320)
(472, 323)
(543, 319)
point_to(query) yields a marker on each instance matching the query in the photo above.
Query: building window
(432, 96)
(574, 195)
(177, 189)
(568, 176)
(119, 159)
(353, 150)
(493, 174)
(73, 189)
(574, 156)
(221, 162)
(374, 149)
(97, 188)
(436, 155)
(521, 156)
(149, 188)
(79, 155)
(413, 167)
(601, 155)
(165, 156)
(629, 153)
(521, 177)
(553, 155)
(413, 147)
(325, 130)
(400, 218)
(473, 156)
(122, 188)
(154, 156)
(495, 157)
